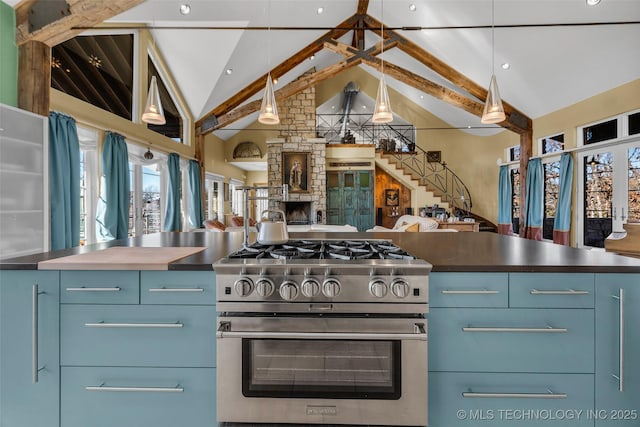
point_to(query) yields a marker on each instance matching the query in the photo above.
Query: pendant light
(269, 109)
(153, 112)
(382, 111)
(493, 109)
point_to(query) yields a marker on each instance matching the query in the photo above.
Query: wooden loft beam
(358, 33)
(289, 90)
(363, 6)
(284, 67)
(516, 120)
(85, 13)
(34, 70)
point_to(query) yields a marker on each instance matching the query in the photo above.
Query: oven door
(322, 370)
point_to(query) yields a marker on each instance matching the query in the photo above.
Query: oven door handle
(420, 334)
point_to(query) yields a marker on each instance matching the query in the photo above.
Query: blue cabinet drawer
(468, 289)
(178, 287)
(551, 290)
(100, 287)
(125, 335)
(473, 399)
(158, 397)
(511, 340)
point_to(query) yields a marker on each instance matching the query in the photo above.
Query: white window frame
(548, 158)
(235, 197)
(89, 146)
(541, 144)
(219, 209)
(154, 55)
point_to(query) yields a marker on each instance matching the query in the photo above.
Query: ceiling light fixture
(382, 111)
(506, 66)
(412, 7)
(593, 2)
(320, 10)
(185, 9)
(153, 112)
(229, 71)
(269, 109)
(493, 109)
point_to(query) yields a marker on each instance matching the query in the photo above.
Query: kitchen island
(513, 325)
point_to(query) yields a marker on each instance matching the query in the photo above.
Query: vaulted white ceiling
(552, 65)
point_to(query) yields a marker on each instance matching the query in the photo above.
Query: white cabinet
(24, 179)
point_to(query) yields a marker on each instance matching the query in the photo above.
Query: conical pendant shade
(382, 111)
(269, 109)
(493, 109)
(153, 112)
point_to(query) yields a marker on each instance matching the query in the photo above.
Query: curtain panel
(562, 220)
(172, 213)
(504, 202)
(196, 214)
(113, 205)
(534, 200)
(64, 181)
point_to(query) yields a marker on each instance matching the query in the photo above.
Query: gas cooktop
(325, 249)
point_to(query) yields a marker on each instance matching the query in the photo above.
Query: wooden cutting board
(121, 258)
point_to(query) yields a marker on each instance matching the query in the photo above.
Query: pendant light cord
(493, 43)
(382, 36)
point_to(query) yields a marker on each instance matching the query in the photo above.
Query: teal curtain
(196, 215)
(504, 202)
(172, 213)
(562, 221)
(113, 205)
(64, 181)
(534, 199)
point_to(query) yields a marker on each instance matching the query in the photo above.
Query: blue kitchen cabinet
(618, 350)
(29, 349)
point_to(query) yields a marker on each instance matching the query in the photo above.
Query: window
(512, 154)
(236, 197)
(147, 188)
(515, 199)
(634, 123)
(88, 184)
(214, 203)
(552, 144)
(600, 132)
(97, 69)
(173, 128)
(551, 190)
(262, 202)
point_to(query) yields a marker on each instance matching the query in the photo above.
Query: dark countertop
(446, 251)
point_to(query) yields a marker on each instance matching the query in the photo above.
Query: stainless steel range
(322, 332)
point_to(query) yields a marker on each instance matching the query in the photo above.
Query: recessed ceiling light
(506, 66)
(412, 7)
(421, 96)
(275, 81)
(364, 106)
(320, 10)
(185, 9)
(229, 71)
(312, 57)
(593, 2)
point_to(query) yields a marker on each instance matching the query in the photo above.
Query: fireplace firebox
(298, 213)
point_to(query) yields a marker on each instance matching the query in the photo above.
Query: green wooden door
(350, 198)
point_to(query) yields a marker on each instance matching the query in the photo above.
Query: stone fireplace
(298, 135)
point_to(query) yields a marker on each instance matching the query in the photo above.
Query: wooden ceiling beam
(363, 6)
(518, 121)
(358, 34)
(284, 67)
(289, 90)
(437, 91)
(85, 13)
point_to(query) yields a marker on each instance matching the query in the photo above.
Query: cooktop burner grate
(338, 250)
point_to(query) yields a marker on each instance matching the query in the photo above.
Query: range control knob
(265, 287)
(400, 288)
(377, 287)
(331, 287)
(310, 287)
(243, 286)
(288, 290)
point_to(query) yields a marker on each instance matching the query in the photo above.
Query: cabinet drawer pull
(134, 325)
(469, 292)
(86, 289)
(559, 292)
(546, 329)
(35, 369)
(164, 289)
(549, 395)
(102, 387)
(620, 377)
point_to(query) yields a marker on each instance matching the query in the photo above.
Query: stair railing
(435, 176)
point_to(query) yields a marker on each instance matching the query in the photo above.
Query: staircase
(435, 182)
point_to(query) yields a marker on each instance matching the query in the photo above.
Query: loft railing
(398, 141)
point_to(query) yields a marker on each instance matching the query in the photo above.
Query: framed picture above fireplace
(296, 167)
